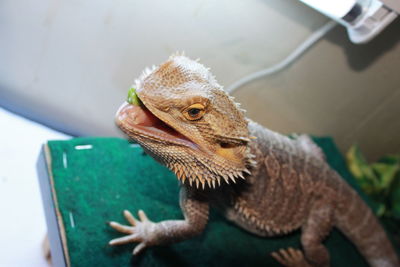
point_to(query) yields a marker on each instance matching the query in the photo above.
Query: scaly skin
(264, 182)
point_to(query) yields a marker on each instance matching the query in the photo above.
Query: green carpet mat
(95, 179)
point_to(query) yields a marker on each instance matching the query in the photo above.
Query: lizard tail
(357, 221)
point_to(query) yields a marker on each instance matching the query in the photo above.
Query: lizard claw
(139, 231)
(290, 257)
(138, 249)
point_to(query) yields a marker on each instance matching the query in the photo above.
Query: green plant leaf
(381, 210)
(390, 159)
(133, 97)
(396, 205)
(395, 197)
(380, 181)
(386, 173)
(353, 161)
(358, 165)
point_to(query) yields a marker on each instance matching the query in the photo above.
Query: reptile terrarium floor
(94, 179)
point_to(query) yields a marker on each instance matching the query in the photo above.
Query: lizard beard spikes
(203, 172)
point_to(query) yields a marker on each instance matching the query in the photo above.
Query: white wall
(72, 62)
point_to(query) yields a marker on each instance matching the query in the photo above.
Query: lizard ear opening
(231, 152)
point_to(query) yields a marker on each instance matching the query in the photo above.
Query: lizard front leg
(148, 233)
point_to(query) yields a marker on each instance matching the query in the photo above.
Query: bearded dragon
(263, 181)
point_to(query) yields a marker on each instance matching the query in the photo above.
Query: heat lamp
(364, 19)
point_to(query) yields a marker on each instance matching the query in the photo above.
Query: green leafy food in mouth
(133, 98)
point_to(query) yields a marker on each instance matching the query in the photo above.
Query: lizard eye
(194, 112)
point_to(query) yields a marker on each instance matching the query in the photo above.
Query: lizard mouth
(138, 121)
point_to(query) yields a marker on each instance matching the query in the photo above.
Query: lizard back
(291, 174)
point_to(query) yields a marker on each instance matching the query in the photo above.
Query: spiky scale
(247, 171)
(226, 179)
(240, 175)
(232, 178)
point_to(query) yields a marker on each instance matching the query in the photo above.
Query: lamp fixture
(364, 19)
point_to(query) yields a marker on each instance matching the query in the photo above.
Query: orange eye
(194, 112)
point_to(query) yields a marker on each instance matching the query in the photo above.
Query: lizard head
(189, 123)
